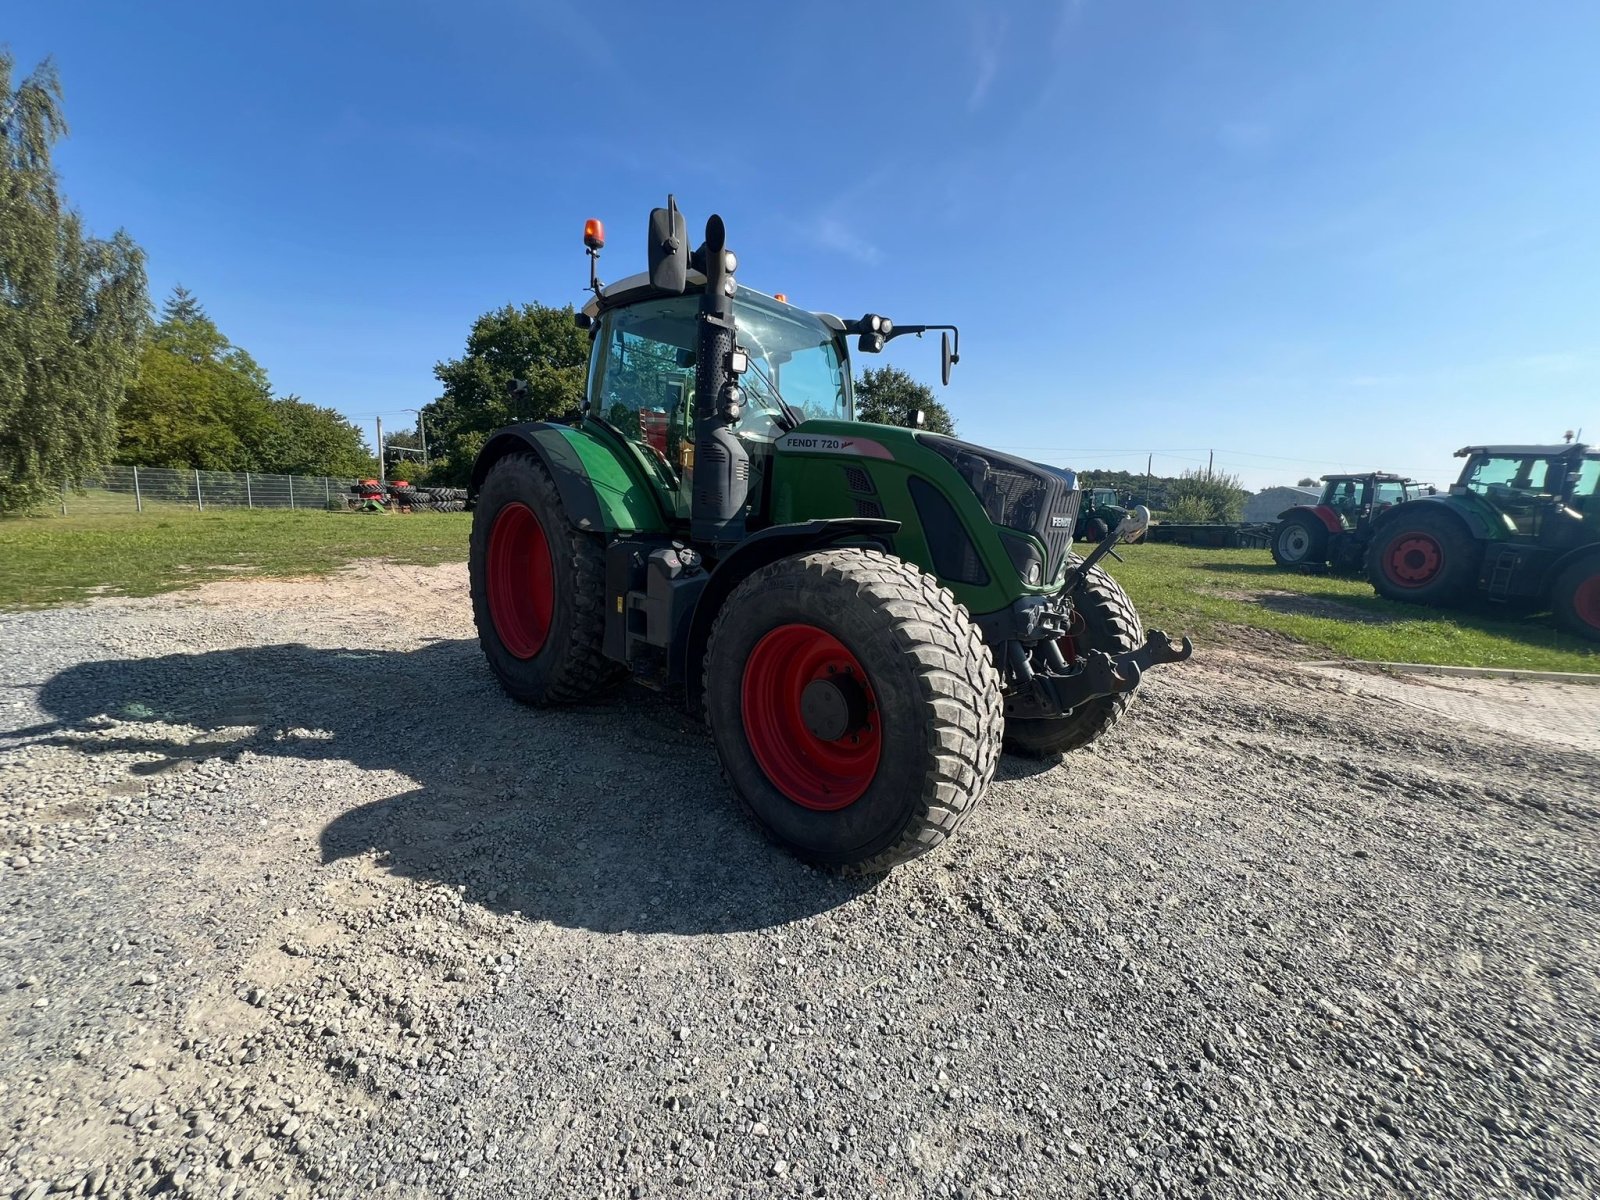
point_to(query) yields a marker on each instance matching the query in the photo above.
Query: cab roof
(1380, 476)
(633, 288)
(1575, 449)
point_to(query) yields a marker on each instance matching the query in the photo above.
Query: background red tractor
(1336, 529)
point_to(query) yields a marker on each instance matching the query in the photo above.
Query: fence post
(291, 491)
(249, 500)
(199, 503)
(63, 497)
(138, 500)
(327, 492)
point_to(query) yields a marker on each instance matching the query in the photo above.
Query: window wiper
(785, 416)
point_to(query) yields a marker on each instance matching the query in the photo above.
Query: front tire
(538, 589)
(855, 709)
(1575, 598)
(1424, 557)
(1110, 623)
(1299, 540)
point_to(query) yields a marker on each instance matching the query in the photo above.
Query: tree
(535, 343)
(307, 439)
(889, 396)
(198, 400)
(1307, 482)
(72, 308)
(1206, 497)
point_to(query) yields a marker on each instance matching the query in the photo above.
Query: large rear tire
(855, 709)
(1575, 598)
(1298, 540)
(1424, 556)
(538, 589)
(1110, 623)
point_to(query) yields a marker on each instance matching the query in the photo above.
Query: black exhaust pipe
(721, 462)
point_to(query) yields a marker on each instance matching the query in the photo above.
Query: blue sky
(1308, 236)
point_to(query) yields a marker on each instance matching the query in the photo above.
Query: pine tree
(72, 308)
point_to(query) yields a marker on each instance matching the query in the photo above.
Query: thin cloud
(830, 233)
(988, 34)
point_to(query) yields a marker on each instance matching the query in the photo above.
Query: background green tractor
(1521, 525)
(1102, 510)
(862, 612)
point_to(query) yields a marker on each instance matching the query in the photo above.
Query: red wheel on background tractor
(1575, 598)
(855, 709)
(538, 588)
(1424, 557)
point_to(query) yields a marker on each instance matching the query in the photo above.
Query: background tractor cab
(1521, 524)
(861, 611)
(1336, 528)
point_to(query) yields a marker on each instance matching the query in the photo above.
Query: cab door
(641, 384)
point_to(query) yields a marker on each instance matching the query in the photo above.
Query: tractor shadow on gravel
(611, 817)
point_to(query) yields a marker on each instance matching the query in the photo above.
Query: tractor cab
(642, 373)
(1545, 494)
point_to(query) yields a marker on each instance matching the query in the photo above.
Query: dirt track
(296, 903)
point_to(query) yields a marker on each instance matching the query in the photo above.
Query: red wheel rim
(1413, 559)
(816, 772)
(522, 590)
(1586, 601)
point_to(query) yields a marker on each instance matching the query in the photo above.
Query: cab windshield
(793, 355)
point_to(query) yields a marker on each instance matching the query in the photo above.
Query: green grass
(1213, 594)
(91, 551)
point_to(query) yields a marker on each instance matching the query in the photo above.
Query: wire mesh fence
(134, 489)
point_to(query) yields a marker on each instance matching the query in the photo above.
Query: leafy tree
(1204, 497)
(307, 439)
(889, 396)
(73, 307)
(535, 343)
(198, 400)
(1307, 482)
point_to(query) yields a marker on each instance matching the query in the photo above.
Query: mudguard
(601, 490)
(1477, 519)
(1322, 512)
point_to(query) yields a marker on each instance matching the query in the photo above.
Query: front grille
(1058, 537)
(1018, 494)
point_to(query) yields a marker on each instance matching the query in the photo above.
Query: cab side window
(645, 376)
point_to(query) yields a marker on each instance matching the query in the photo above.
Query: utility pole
(382, 478)
(1211, 458)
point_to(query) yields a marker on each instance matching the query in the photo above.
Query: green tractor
(861, 612)
(1103, 509)
(1521, 525)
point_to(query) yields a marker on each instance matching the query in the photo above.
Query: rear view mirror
(669, 249)
(944, 358)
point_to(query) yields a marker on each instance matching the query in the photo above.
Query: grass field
(1212, 595)
(54, 559)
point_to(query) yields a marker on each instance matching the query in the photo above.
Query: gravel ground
(295, 903)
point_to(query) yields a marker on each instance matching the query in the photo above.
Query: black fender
(560, 459)
(755, 552)
(1471, 522)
